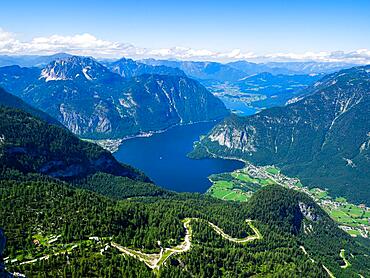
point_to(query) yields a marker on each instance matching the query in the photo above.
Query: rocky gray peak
(74, 67)
(308, 212)
(2, 139)
(365, 146)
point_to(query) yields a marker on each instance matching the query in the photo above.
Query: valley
(256, 92)
(241, 184)
(93, 207)
(163, 157)
(184, 139)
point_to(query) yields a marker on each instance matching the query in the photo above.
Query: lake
(239, 107)
(162, 157)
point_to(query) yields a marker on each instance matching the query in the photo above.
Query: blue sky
(261, 27)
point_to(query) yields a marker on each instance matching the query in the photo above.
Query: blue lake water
(239, 107)
(162, 157)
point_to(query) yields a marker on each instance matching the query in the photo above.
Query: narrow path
(46, 257)
(223, 198)
(305, 252)
(155, 261)
(238, 240)
(346, 262)
(331, 275)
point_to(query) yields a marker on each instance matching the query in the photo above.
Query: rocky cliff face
(156, 100)
(94, 102)
(308, 212)
(323, 138)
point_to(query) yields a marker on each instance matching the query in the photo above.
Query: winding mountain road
(155, 261)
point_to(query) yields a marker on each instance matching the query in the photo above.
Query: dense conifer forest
(67, 226)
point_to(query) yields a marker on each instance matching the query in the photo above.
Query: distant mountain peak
(128, 68)
(73, 67)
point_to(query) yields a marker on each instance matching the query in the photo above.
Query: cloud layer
(87, 44)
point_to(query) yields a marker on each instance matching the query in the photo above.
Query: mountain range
(30, 60)
(247, 87)
(243, 86)
(323, 138)
(94, 102)
(129, 68)
(265, 90)
(234, 71)
(222, 72)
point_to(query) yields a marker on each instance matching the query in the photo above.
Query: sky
(325, 30)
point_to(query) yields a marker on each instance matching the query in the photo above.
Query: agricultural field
(348, 214)
(236, 186)
(319, 193)
(241, 184)
(272, 170)
(225, 190)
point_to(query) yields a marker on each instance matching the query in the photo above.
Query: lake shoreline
(163, 157)
(112, 145)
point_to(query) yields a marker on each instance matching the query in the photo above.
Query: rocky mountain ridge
(94, 102)
(322, 138)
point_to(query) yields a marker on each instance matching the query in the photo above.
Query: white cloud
(87, 44)
(81, 44)
(8, 43)
(181, 53)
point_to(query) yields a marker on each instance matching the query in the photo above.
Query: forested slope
(69, 226)
(324, 139)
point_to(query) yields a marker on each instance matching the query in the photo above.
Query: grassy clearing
(319, 193)
(244, 177)
(340, 200)
(350, 215)
(236, 195)
(299, 184)
(248, 179)
(353, 211)
(273, 170)
(225, 190)
(236, 186)
(354, 233)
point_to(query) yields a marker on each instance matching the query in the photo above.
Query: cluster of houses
(262, 173)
